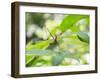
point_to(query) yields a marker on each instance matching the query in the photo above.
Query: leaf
(68, 54)
(53, 45)
(82, 22)
(53, 31)
(29, 44)
(48, 52)
(57, 56)
(70, 20)
(31, 61)
(57, 59)
(83, 37)
(32, 55)
(39, 45)
(28, 57)
(34, 52)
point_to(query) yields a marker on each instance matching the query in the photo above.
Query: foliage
(56, 42)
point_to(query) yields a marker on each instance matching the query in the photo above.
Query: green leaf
(28, 57)
(31, 61)
(83, 37)
(39, 45)
(68, 54)
(83, 22)
(57, 56)
(29, 44)
(32, 55)
(70, 20)
(57, 59)
(53, 31)
(48, 52)
(39, 52)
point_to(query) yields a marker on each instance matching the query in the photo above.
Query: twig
(50, 33)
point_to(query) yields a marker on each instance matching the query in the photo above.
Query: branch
(50, 33)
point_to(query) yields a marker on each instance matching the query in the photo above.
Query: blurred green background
(56, 39)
